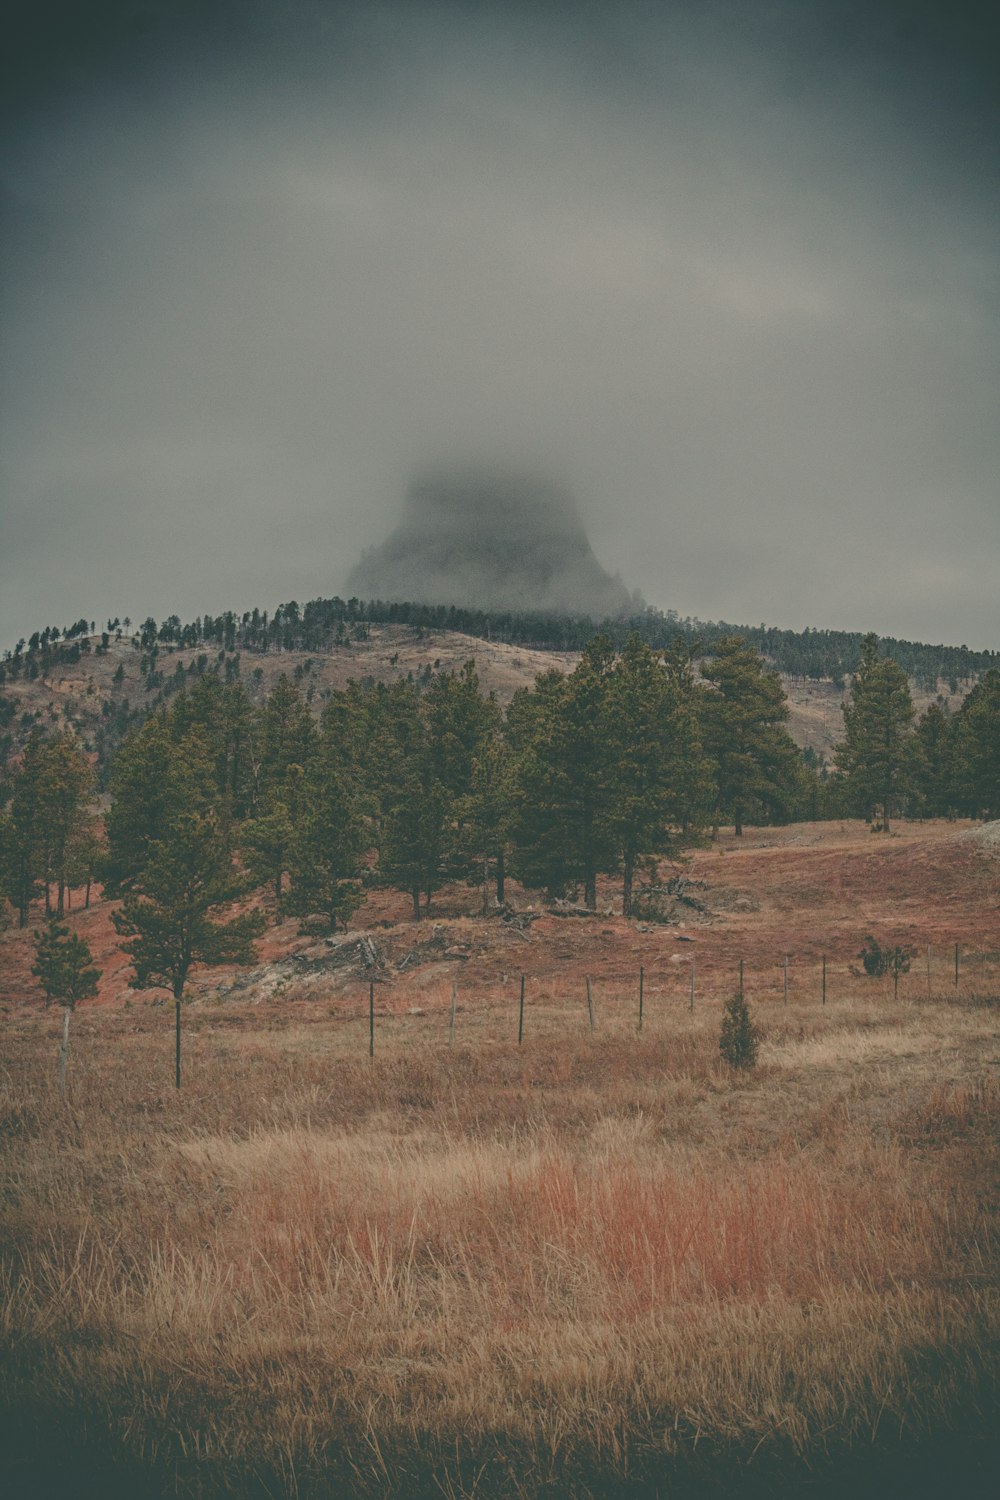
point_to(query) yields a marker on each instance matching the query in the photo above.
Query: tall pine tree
(875, 757)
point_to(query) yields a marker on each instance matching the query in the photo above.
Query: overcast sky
(727, 269)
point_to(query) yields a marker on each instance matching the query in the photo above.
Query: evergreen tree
(65, 971)
(932, 763)
(143, 800)
(325, 849)
(267, 839)
(562, 821)
(22, 851)
(286, 737)
(488, 810)
(414, 837)
(64, 965)
(169, 911)
(875, 757)
(459, 719)
(739, 1039)
(65, 785)
(977, 749)
(654, 758)
(754, 759)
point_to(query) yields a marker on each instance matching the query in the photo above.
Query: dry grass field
(597, 1264)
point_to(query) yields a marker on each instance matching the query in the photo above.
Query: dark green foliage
(326, 841)
(879, 959)
(756, 764)
(660, 783)
(64, 965)
(173, 910)
(977, 749)
(739, 1039)
(563, 831)
(933, 762)
(875, 759)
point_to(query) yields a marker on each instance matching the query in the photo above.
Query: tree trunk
(86, 899)
(501, 872)
(48, 900)
(277, 890)
(64, 1050)
(416, 904)
(61, 896)
(738, 820)
(590, 890)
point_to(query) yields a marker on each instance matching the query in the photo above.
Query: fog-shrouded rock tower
(494, 540)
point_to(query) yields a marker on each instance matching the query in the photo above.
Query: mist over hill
(491, 540)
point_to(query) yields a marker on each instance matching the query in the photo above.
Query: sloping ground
(806, 892)
(78, 694)
(596, 1264)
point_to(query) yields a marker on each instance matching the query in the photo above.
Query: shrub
(739, 1038)
(879, 960)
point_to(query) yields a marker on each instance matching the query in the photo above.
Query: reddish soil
(806, 891)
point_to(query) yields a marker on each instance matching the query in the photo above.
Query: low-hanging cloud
(727, 272)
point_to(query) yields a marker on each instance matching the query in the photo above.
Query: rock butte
(494, 541)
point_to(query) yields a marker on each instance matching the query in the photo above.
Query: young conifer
(740, 1038)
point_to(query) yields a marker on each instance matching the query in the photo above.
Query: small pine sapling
(64, 969)
(739, 1038)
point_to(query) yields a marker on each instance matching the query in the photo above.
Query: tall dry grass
(592, 1265)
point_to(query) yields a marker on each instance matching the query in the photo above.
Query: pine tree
(414, 838)
(488, 810)
(977, 749)
(563, 830)
(65, 785)
(64, 965)
(932, 761)
(325, 848)
(654, 751)
(739, 1038)
(143, 800)
(875, 757)
(22, 852)
(755, 760)
(168, 910)
(65, 971)
(286, 736)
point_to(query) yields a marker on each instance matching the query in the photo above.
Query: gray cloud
(729, 272)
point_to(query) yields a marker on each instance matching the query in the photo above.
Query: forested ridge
(324, 623)
(634, 755)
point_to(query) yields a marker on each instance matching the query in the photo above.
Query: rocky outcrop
(490, 540)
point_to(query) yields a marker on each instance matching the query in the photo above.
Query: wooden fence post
(520, 1015)
(640, 995)
(177, 1044)
(64, 1050)
(451, 1023)
(590, 1004)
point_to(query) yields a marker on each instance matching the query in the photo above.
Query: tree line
(322, 624)
(633, 756)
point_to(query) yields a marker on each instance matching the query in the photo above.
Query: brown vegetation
(593, 1265)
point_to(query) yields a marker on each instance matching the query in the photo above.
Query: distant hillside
(103, 683)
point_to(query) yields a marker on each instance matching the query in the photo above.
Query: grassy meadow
(597, 1264)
